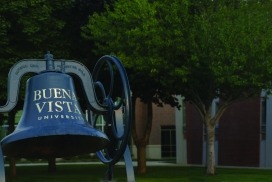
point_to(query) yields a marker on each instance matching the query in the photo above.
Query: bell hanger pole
(49, 61)
(2, 166)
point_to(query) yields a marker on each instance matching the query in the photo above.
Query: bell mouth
(49, 141)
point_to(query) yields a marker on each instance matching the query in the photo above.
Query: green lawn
(93, 173)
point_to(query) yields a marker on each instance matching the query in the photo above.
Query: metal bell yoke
(53, 124)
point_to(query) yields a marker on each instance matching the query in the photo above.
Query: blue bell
(52, 123)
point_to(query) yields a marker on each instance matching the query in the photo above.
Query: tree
(79, 48)
(200, 49)
(133, 35)
(28, 29)
(3, 37)
(228, 55)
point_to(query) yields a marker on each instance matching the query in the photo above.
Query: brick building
(243, 135)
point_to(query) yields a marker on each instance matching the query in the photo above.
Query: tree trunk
(52, 168)
(210, 155)
(12, 167)
(141, 137)
(141, 156)
(210, 120)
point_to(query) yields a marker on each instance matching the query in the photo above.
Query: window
(168, 141)
(100, 123)
(263, 118)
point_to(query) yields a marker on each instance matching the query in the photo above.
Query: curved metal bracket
(36, 66)
(109, 73)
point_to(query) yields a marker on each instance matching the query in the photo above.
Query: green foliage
(130, 24)
(3, 32)
(35, 26)
(28, 28)
(136, 31)
(229, 51)
(199, 49)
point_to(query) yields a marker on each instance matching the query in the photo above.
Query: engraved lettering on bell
(56, 100)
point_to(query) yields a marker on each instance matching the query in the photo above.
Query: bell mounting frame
(113, 103)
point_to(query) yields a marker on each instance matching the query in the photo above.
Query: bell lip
(52, 130)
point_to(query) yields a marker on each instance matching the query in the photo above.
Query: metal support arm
(22, 67)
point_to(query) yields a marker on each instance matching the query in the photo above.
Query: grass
(90, 172)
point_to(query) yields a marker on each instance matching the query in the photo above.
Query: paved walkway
(149, 163)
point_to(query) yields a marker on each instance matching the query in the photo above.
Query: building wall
(161, 116)
(153, 152)
(239, 134)
(194, 135)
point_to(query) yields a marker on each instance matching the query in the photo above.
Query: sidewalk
(149, 163)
